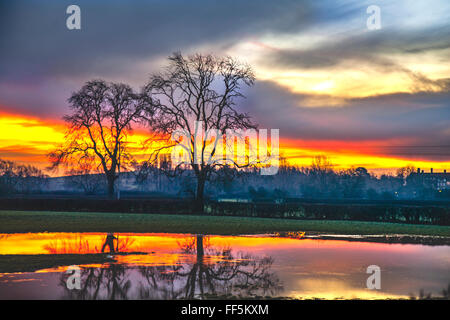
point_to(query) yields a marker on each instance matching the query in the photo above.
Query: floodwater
(176, 266)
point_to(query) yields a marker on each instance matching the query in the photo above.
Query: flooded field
(176, 266)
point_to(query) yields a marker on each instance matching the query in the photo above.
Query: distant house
(436, 180)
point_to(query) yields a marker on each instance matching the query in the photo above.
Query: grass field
(37, 221)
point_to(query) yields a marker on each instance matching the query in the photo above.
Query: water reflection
(109, 241)
(88, 244)
(176, 266)
(213, 273)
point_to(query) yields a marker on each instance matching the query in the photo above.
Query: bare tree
(212, 272)
(199, 89)
(404, 172)
(101, 120)
(8, 176)
(321, 164)
(20, 178)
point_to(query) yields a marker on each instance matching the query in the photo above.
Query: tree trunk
(199, 199)
(200, 250)
(111, 186)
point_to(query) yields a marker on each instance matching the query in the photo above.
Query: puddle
(178, 266)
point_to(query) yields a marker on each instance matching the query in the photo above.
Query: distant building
(436, 180)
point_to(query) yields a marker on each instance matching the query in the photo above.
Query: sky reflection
(186, 266)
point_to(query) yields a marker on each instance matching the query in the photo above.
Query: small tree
(320, 177)
(404, 172)
(20, 178)
(8, 176)
(200, 88)
(98, 127)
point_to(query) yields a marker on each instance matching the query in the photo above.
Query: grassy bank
(30, 263)
(38, 221)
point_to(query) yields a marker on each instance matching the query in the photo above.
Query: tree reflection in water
(213, 272)
(111, 282)
(81, 245)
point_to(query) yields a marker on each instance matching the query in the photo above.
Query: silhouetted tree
(98, 127)
(215, 272)
(111, 282)
(353, 182)
(200, 88)
(404, 172)
(321, 179)
(212, 272)
(16, 177)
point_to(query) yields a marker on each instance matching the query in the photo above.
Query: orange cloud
(28, 140)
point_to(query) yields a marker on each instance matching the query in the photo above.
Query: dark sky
(322, 75)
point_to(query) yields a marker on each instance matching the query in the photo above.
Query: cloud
(116, 34)
(360, 49)
(41, 62)
(413, 125)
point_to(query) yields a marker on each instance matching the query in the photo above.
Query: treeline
(18, 178)
(318, 181)
(321, 181)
